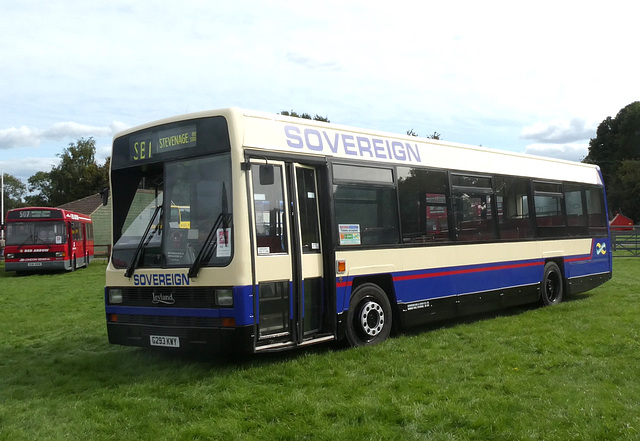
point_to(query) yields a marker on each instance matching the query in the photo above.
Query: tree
(305, 116)
(14, 191)
(77, 176)
(40, 188)
(629, 177)
(617, 141)
(435, 135)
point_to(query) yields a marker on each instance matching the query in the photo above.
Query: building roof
(621, 219)
(87, 205)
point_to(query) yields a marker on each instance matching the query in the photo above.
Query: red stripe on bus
(466, 271)
(473, 270)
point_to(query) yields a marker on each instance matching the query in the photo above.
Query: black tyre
(369, 318)
(552, 285)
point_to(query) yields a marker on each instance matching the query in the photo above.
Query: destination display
(146, 146)
(34, 214)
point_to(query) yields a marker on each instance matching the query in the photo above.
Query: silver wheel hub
(372, 318)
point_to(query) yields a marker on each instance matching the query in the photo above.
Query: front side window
(366, 215)
(164, 214)
(366, 209)
(269, 208)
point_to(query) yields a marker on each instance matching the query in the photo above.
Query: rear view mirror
(105, 195)
(266, 174)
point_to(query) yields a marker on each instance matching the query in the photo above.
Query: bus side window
(596, 213)
(423, 205)
(366, 205)
(513, 207)
(269, 209)
(473, 208)
(549, 213)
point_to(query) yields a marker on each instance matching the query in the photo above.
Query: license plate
(34, 264)
(165, 341)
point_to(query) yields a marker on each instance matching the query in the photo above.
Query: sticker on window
(349, 234)
(224, 242)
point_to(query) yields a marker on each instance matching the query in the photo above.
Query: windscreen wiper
(210, 244)
(24, 242)
(143, 243)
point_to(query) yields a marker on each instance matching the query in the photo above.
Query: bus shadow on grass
(225, 361)
(482, 316)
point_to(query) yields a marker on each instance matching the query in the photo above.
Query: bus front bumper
(192, 339)
(36, 266)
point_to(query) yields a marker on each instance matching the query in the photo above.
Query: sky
(531, 77)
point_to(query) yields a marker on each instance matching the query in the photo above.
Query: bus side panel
(243, 305)
(427, 296)
(589, 271)
(418, 286)
(599, 261)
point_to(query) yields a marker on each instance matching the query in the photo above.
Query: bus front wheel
(552, 284)
(369, 317)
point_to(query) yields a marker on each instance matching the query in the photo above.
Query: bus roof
(274, 132)
(45, 213)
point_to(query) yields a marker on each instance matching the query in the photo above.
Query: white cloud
(27, 167)
(69, 129)
(32, 137)
(102, 153)
(560, 131)
(570, 152)
(18, 137)
(312, 61)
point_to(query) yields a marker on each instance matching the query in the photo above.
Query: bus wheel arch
(552, 285)
(370, 315)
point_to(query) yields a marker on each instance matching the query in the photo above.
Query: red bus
(45, 239)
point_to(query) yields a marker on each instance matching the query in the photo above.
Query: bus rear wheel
(369, 318)
(552, 285)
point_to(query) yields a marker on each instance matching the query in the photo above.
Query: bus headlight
(61, 254)
(115, 295)
(224, 297)
(10, 256)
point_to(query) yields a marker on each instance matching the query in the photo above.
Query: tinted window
(269, 211)
(549, 216)
(596, 213)
(473, 208)
(366, 215)
(513, 208)
(362, 174)
(423, 205)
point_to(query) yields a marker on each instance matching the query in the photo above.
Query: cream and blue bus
(302, 232)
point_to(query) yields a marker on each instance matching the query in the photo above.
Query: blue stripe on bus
(417, 285)
(242, 311)
(452, 281)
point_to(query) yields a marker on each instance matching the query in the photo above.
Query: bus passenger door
(308, 267)
(287, 253)
(273, 273)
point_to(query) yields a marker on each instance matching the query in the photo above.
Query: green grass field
(568, 372)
